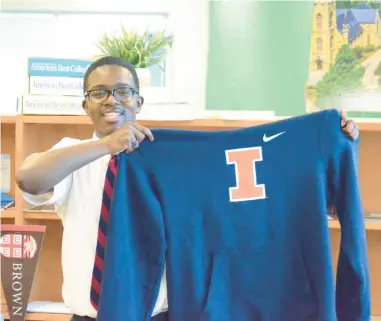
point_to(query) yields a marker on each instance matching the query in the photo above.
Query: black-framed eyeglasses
(121, 94)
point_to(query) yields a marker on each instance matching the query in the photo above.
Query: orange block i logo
(244, 161)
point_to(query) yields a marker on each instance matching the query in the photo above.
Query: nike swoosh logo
(267, 139)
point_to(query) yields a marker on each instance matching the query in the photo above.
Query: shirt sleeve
(352, 279)
(61, 190)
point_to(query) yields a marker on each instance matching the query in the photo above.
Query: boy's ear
(84, 105)
(140, 103)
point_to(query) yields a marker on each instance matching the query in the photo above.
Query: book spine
(55, 67)
(65, 86)
(52, 105)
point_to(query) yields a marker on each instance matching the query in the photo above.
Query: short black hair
(110, 60)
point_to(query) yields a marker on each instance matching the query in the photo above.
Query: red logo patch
(18, 246)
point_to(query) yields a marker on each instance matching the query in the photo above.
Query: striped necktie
(102, 232)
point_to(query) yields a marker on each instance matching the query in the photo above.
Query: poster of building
(345, 57)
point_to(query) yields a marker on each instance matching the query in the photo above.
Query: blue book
(57, 67)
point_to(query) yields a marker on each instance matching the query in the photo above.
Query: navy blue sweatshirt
(240, 218)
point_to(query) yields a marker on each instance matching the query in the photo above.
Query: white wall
(22, 36)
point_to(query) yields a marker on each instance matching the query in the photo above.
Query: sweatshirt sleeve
(352, 280)
(135, 249)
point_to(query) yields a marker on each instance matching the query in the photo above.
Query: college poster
(345, 57)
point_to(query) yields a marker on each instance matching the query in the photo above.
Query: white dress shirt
(78, 200)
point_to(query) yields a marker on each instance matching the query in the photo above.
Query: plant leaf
(140, 50)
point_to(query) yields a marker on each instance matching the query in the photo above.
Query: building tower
(323, 38)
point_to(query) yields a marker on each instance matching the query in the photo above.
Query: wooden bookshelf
(22, 135)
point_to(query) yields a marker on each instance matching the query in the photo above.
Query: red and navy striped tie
(102, 232)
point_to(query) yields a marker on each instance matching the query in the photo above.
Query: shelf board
(368, 124)
(365, 124)
(186, 124)
(40, 215)
(43, 316)
(370, 226)
(10, 213)
(37, 215)
(56, 119)
(8, 119)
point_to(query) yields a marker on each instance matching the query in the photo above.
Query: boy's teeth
(111, 117)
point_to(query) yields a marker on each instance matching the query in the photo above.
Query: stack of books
(55, 86)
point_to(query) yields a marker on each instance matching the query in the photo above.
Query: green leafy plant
(140, 50)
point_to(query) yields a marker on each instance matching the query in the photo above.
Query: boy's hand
(127, 138)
